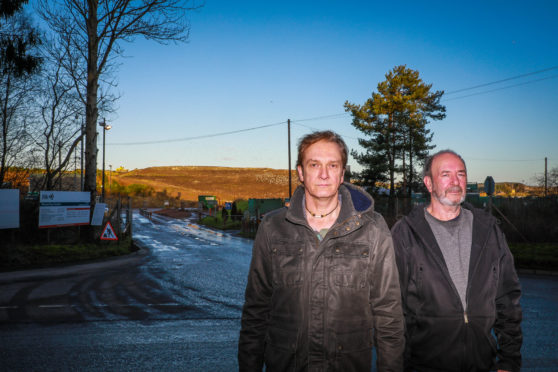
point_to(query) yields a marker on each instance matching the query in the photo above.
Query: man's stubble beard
(444, 200)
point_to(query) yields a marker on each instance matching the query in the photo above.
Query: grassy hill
(223, 182)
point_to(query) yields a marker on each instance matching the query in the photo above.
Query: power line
(502, 80)
(463, 90)
(340, 115)
(501, 88)
(321, 117)
(195, 137)
(506, 160)
(317, 129)
(230, 132)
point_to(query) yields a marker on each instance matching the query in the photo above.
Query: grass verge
(536, 256)
(36, 256)
(217, 223)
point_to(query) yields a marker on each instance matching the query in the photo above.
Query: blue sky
(253, 63)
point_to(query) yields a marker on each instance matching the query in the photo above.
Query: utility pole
(289, 140)
(104, 125)
(60, 164)
(75, 169)
(545, 176)
(81, 156)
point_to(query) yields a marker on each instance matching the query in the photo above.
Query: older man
(323, 283)
(458, 282)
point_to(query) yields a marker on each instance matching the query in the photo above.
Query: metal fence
(530, 219)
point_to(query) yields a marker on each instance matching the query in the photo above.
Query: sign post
(489, 187)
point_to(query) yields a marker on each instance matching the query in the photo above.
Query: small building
(258, 207)
(208, 203)
(472, 187)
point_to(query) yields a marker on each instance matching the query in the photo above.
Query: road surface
(174, 306)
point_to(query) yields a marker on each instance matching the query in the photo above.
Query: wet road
(175, 307)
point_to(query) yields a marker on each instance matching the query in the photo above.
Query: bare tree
(57, 116)
(18, 64)
(93, 32)
(551, 181)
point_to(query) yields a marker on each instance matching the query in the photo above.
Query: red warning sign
(108, 233)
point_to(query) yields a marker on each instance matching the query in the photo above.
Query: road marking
(8, 307)
(52, 306)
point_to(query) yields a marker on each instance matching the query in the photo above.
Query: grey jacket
(316, 305)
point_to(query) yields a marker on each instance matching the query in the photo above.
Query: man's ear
(428, 183)
(300, 173)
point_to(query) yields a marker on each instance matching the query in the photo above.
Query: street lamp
(105, 128)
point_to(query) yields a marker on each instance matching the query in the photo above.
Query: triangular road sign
(108, 233)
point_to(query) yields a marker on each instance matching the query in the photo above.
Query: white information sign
(9, 208)
(64, 208)
(98, 214)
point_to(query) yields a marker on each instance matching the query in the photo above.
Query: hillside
(223, 182)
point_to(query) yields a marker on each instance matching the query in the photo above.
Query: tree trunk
(4, 133)
(90, 182)
(411, 169)
(404, 184)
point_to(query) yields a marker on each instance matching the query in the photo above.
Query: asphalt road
(174, 306)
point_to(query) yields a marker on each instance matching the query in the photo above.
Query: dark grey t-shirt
(455, 238)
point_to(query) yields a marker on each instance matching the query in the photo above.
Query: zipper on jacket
(466, 317)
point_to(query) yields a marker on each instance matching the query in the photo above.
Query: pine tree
(394, 122)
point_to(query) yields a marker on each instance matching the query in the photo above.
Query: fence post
(119, 219)
(129, 217)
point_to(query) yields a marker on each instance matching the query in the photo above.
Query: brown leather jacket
(316, 305)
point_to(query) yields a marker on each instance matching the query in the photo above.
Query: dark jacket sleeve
(255, 313)
(508, 318)
(400, 232)
(389, 335)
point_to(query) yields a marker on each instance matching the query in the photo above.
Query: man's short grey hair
(428, 163)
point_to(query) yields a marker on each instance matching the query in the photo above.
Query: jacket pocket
(482, 345)
(349, 265)
(280, 350)
(353, 350)
(287, 263)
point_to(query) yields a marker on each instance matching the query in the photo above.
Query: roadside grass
(217, 223)
(242, 204)
(19, 257)
(537, 256)
(534, 256)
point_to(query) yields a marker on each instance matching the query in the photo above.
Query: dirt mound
(227, 184)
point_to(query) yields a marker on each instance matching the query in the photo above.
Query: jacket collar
(354, 202)
(482, 226)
